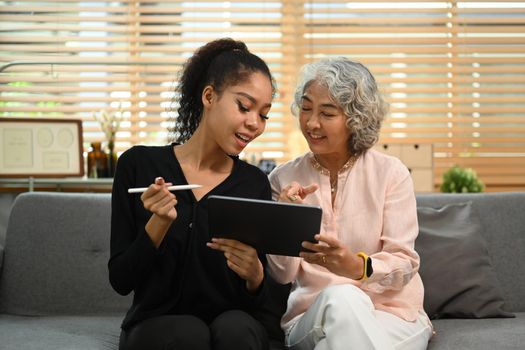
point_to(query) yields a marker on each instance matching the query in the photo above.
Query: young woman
(358, 288)
(192, 291)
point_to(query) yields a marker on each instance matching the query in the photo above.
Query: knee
(344, 293)
(345, 298)
(236, 329)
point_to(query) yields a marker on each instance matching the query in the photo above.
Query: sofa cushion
(100, 332)
(479, 334)
(455, 265)
(59, 332)
(56, 254)
(503, 228)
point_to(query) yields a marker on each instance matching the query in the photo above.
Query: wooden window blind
(123, 57)
(453, 71)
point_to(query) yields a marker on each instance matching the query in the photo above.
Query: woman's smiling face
(323, 122)
(238, 114)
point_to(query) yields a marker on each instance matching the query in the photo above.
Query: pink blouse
(375, 212)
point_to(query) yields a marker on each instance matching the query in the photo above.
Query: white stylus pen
(170, 188)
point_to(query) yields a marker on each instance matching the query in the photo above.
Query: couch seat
(480, 334)
(59, 332)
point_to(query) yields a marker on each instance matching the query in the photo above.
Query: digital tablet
(270, 227)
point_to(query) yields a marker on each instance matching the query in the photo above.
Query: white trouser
(343, 317)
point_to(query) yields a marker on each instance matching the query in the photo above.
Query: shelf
(69, 184)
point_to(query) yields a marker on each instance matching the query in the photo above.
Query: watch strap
(367, 266)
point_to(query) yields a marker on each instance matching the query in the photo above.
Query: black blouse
(182, 276)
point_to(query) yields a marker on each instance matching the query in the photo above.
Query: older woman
(358, 287)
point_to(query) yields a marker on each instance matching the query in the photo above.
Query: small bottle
(112, 158)
(97, 161)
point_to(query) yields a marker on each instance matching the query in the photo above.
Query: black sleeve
(132, 253)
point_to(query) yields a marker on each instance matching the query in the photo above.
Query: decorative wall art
(40, 147)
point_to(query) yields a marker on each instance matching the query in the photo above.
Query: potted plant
(461, 180)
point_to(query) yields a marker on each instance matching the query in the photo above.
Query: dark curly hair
(220, 63)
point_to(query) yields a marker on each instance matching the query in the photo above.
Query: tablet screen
(268, 226)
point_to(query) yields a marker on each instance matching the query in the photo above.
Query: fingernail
(303, 244)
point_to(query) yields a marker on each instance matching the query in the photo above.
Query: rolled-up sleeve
(397, 262)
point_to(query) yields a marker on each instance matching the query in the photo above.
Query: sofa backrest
(56, 254)
(502, 218)
(57, 248)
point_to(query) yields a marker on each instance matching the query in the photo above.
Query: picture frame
(33, 147)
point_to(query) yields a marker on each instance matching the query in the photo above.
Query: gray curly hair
(354, 89)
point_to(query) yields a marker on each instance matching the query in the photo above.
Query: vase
(97, 161)
(112, 158)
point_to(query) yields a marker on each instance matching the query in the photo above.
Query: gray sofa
(54, 290)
